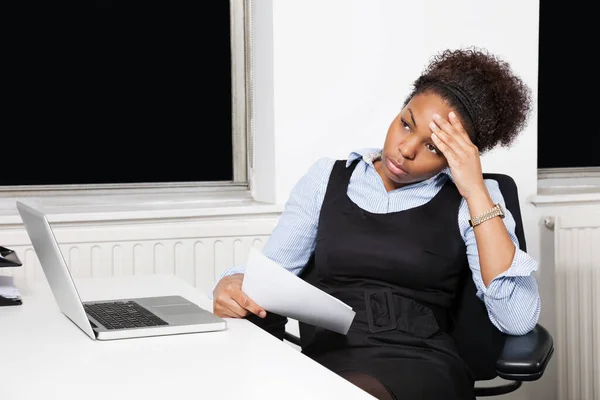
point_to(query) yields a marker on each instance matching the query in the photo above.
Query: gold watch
(496, 211)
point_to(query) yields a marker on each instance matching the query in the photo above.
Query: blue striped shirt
(512, 298)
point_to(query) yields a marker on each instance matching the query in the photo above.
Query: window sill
(565, 199)
(567, 187)
(91, 207)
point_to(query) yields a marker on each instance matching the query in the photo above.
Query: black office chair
(488, 352)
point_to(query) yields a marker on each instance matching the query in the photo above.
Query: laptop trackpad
(183, 314)
(177, 309)
(171, 305)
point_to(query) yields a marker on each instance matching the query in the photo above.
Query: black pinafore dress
(400, 272)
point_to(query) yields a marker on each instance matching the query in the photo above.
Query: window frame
(241, 48)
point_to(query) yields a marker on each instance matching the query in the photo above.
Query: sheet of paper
(277, 290)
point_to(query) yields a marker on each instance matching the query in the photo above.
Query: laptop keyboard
(122, 315)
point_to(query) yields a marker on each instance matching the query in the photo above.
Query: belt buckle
(390, 310)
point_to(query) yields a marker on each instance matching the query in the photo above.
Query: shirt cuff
(503, 285)
(240, 269)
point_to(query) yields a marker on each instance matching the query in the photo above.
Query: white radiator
(577, 279)
(195, 250)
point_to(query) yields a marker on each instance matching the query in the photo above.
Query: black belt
(388, 310)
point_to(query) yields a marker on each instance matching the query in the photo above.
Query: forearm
(494, 245)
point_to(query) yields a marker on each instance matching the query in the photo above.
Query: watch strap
(496, 211)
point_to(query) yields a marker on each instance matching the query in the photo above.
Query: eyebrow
(412, 117)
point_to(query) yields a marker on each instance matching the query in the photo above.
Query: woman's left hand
(462, 155)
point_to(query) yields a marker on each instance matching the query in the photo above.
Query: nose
(408, 147)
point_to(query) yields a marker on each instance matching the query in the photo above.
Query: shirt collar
(369, 155)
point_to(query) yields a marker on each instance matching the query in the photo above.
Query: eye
(433, 149)
(404, 125)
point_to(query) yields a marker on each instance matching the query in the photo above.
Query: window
(103, 3)
(155, 100)
(566, 90)
(568, 163)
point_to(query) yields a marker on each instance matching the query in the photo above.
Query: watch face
(501, 209)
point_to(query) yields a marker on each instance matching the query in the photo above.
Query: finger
(448, 145)
(458, 126)
(230, 306)
(444, 148)
(243, 300)
(450, 130)
(221, 311)
(225, 312)
(470, 147)
(230, 312)
(232, 309)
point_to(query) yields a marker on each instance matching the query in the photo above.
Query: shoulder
(317, 174)
(322, 167)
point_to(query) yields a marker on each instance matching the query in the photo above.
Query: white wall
(341, 70)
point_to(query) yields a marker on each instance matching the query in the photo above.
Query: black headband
(462, 98)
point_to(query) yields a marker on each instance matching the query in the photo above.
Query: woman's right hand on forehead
(230, 301)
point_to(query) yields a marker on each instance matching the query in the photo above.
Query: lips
(395, 168)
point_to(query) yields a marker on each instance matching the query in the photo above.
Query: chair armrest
(524, 358)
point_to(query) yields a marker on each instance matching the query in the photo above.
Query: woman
(389, 232)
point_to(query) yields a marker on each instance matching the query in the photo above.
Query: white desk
(43, 355)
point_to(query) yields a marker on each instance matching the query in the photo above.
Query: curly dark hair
(494, 104)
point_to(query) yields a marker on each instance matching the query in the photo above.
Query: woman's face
(409, 155)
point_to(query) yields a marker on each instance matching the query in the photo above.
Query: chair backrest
(479, 341)
(509, 190)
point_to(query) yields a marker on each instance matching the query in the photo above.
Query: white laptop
(112, 318)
